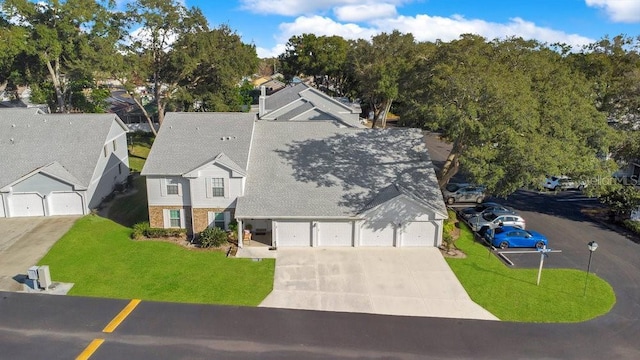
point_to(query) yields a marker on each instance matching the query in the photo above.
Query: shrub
(448, 228)
(233, 229)
(140, 230)
(632, 225)
(165, 233)
(212, 237)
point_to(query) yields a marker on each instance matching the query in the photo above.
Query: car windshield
(489, 216)
(498, 230)
(452, 187)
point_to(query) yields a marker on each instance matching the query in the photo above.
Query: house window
(218, 221)
(217, 187)
(119, 168)
(105, 151)
(172, 187)
(174, 218)
(114, 145)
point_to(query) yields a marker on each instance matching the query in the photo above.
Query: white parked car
(557, 183)
(490, 220)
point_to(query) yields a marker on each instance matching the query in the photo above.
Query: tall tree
(161, 23)
(513, 110)
(65, 37)
(377, 67)
(207, 68)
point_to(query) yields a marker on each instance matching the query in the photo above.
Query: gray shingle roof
(64, 142)
(189, 140)
(283, 97)
(317, 169)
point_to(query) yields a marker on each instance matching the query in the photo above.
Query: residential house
(59, 164)
(314, 180)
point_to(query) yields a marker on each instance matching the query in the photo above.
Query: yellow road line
(121, 316)
(90, 349)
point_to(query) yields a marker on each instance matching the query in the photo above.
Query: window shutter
(180, 188)
(163, 187)
(166, 218)
(182, 223)
(227, 219)
(226, 188)
(211, 217)
(207, 182)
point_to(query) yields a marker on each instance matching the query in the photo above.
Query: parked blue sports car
(510, 236)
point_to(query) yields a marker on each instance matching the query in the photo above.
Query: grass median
(512, 294)
(98, 256)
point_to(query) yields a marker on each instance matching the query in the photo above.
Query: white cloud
(627, 11)
(359, 13)
(431, 28)
(423, 28)
(302, 7)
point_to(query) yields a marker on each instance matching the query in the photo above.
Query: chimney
(261, 105)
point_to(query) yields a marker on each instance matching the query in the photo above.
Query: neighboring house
(302, 102)
(59, 164)
(197, 168)
(306, 183)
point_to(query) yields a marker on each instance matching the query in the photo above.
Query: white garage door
(26, 205)
(67, 203)
(293, 233)
(419, 233)
(335, 233)
(373, 236)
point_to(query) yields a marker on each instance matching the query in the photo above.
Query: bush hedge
(212, 237)
(143, 229)
(632, 225)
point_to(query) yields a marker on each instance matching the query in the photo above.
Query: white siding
(292, 233)
(157, 191)
(2, 212)
(201, 188)
(107, 172)
(335, 233)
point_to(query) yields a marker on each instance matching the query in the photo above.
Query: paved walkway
(392, 281)
(23, 242)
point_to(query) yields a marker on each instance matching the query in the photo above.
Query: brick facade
(201, 217)
(156, 216)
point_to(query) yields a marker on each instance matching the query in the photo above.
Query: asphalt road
(60, 327)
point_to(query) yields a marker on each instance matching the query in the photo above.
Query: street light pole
(592, 247)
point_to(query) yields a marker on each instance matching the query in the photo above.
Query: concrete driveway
(23, 242)
(392, 281)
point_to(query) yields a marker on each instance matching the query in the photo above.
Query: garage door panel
(419, 233)
(338, 233)
(26, 205)
(293, 233)
(67, 203)
(376, 236)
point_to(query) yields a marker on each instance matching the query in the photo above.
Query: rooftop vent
(13, 125)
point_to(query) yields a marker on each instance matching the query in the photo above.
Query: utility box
(44, 276)
(32, 272)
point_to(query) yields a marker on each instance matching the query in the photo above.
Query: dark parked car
(454, 193)
(510, 236)
(485, 207)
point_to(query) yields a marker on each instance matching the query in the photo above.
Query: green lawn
(512, 294)
(139, 147)
(98, 256)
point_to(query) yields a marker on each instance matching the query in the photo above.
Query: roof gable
(220, 160)
(29, 141)
(187, 141)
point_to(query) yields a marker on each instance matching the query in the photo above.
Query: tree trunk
(387, 108)
(146, 114)
(451, 165)
(57, 85)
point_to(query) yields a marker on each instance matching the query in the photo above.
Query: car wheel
(451, 200)
(540, 244)
(556, 188)
(580, 187)
(479, 200)
(504, 245)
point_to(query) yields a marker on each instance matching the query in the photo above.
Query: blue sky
(270, 23)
